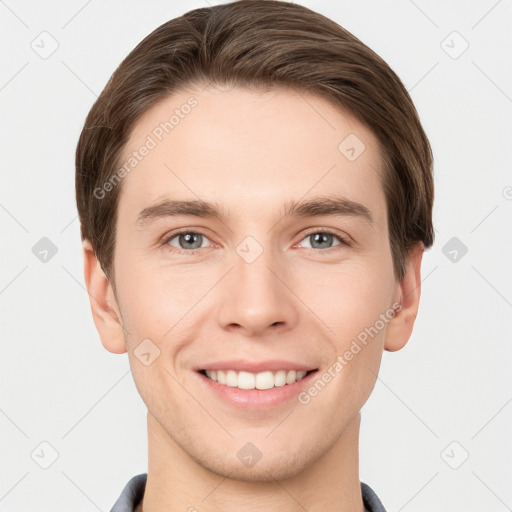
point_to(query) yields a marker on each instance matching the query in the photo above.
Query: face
(282, 267)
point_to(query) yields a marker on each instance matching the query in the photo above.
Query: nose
(256, 295)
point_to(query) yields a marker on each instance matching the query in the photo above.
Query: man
(255, 195)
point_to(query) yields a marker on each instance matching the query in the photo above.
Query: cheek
(359, 317)
(359, 321)
(353, 299)
(360, 310)
(162, 313)
(155, 299)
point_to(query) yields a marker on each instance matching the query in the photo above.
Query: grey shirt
(134, 491)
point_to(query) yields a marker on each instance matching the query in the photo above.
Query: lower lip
(260, 399)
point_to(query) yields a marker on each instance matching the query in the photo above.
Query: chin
(281, 465)
(261, 472)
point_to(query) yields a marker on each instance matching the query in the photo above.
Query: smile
(262, 380)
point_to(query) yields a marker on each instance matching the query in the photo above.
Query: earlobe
(399, 329)
(104, 307)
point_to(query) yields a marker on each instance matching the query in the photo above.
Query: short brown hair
(263, 44)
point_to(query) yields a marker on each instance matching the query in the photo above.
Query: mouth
(262, 391)
(264, 380)
(255, 385)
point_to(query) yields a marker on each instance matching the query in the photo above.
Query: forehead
(249, 149)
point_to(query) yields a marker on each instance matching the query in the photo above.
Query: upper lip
(255, 366)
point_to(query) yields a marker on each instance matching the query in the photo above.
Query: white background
(451, 382)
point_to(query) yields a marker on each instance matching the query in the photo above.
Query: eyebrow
(318, 206)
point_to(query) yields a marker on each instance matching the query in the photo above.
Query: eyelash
(165, 242)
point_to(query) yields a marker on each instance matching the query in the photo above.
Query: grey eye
(321, 240)
(188, 240)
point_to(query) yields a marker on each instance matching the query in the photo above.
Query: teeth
(290, 378)
(262, 380)
(231, 378)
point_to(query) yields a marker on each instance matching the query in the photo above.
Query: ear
(399, 329)
(105, 310)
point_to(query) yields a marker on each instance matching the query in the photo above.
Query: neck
(176, 482)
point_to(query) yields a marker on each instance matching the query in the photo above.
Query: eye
(186, 241)
(323, 239)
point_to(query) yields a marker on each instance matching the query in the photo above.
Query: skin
(252, 152)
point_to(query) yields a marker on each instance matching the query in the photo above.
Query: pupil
(189, 238)
(322, 238)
